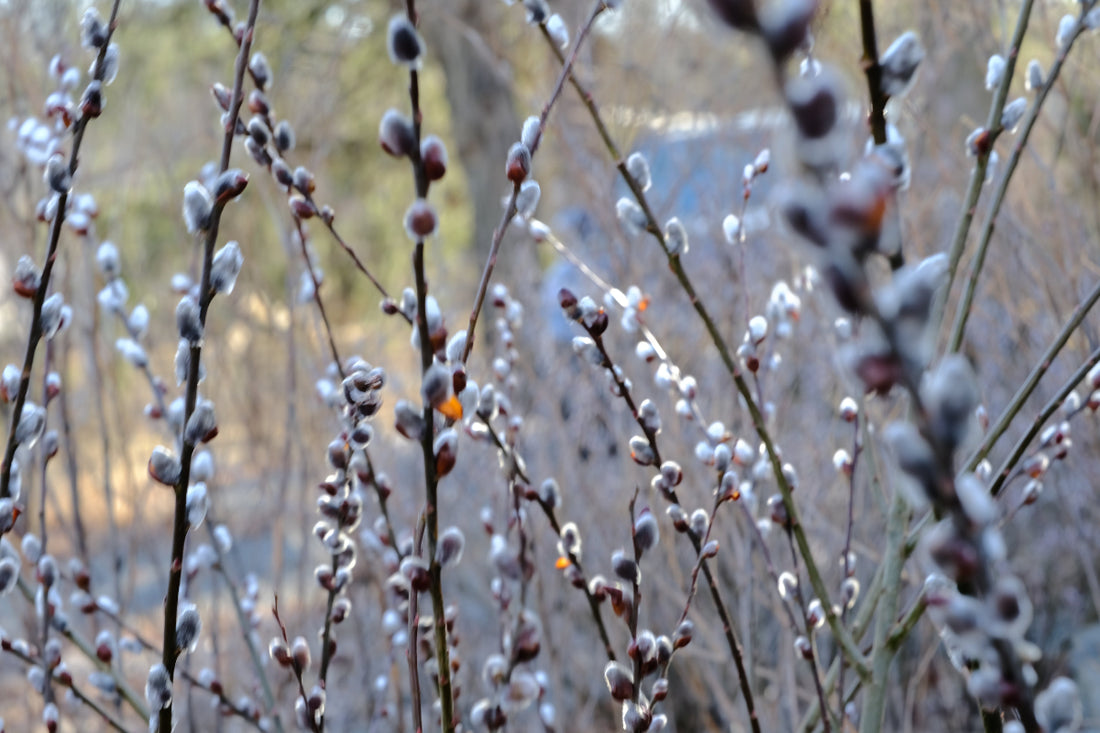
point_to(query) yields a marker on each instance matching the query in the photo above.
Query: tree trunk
(479, 91)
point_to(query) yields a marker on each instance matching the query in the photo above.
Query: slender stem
(245, 626)
(1032, 381)
(857, 448)
(80, 534)
(327, 644)
(632, 620)
(43, 536)
(877, 118)
(723, 612)
(431, 505)
(873, 70)
(903, 628)
(362, 268)
(792, 621)
(551, 517)
(317, 297)
(170, 650)
(127, 693)
(874, 702)
(1049, 409)
(67, 683)
(860, 624)
(981, 161)
(35, 334)
(411, 653)
(757, 417)
(311, 721)
(510, 210)
(963, 311)
(191, 679)
(427, 439)
(227, 22)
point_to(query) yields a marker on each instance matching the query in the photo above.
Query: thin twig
(180, 524)
(873, 70)
(877, 118)
(857, 449)
(296, 668)
(245, 626)
(756, 416)
(1049, 409)
(317, 298)
(962, 313)
(45, 583)
(1037, 372)
(427, 439)
(66, 681)
(623, 391)
(227, 22)
(127, 693)
(874, 703)
(35, 334)
(510, 209)
(981, 161)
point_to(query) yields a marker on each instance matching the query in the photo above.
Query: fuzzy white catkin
(1066, 27)
(994, 71)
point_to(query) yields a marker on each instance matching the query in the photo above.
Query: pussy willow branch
(757, 417)
(981, 161)
(963, 312)
(372, 480)
(447, 716)
(411, 654)
(510, 207)
(1005, 471)
(221, 568)
(861, 623)
(180, 524)
(873, 70)
(35, 334)
(80, 536)
(515, 510)
(43, 529)
(945, 504)
(94, 706)
(551, 517)
(515, 461)
(877, 118)
(857, 449)
(774, 574)
(894, 640)
(593, 603)
(227, 23)
(149, 646)
(874, 702)
(295, 667)
(635, 602)
(1037, 372)
(327, 644)
(350, 252)
(317, 298)
(827, 718)
(127, 693)
(243, 623)
(696, 542)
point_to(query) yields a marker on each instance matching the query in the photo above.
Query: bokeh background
(699, 101)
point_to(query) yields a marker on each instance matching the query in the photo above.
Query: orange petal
(452, 408)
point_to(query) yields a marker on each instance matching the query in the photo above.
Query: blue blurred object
(697, 173)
